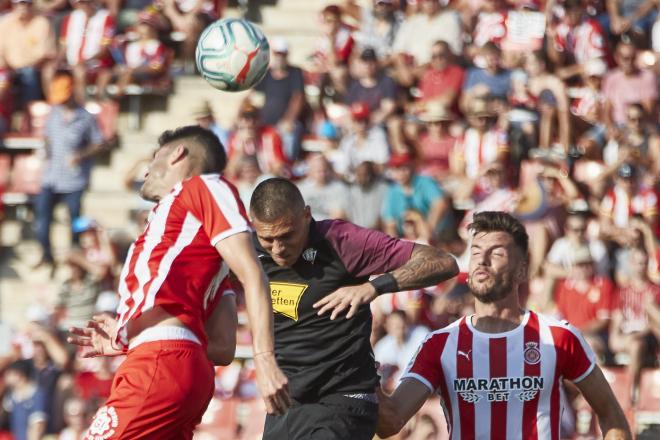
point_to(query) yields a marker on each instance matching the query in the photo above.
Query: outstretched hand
(272, 384)
(340, 299)
(98, 336)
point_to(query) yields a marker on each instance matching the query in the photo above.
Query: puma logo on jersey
(466, 355)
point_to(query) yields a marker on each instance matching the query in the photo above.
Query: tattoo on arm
(427, 267)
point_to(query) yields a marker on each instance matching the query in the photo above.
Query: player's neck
(499, 316)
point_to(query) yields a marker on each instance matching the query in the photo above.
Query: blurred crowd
(408, 117)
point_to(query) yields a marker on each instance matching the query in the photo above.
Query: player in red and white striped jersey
(499, 372)
(172, 279)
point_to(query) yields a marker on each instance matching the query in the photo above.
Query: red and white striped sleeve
(216, 204)
(426, 366)
(575, 358)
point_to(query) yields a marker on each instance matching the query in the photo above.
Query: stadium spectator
(248, 177)
(97, 256)
(367, 194)
(76, 419)
(576, 39)
(284, 106)
(635, 328)
(412, 191)
(398, 346)
(373, 87)
(94, 384)
(588, 107)
(252, 138)
(586, 300)
(491, 22)
(378, 28)
(85, 39)
(77, 295)
(436, 145)
(419, 31)
(336, 44)
(73, 138)
(627, 84)
(145, 59)
(190, 18)
(364, 141)
(27, 54)
(490, 81)
(25, 402)
(634, 16)
(203, 116)
(326, 196)
(442, 79)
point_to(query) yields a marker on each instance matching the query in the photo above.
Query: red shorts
(159, 392)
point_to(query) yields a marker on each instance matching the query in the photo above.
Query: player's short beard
(501, 288)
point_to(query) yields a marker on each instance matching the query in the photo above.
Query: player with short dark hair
(175, 274)
(500, 371)
(321, 268)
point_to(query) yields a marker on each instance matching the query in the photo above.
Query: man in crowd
(326, 196)
(25, 401)
(172, 280)
(321, 268)
(499, 372)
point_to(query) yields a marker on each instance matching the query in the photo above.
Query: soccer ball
(232, 54)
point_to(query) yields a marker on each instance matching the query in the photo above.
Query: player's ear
(178, 153)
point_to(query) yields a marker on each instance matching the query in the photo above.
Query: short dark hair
(497, 221)
(213, 157)
(24, 367)
(275, 198)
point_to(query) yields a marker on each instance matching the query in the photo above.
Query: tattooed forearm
(427, 267)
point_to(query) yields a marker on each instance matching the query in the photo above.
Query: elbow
(221, 356)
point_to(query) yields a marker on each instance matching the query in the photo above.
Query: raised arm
(238, 252)
(611, 418)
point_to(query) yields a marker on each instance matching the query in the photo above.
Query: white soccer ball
(232, 54)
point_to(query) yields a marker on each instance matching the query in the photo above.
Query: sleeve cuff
(419, 378)
(228, 233)
(585, 374)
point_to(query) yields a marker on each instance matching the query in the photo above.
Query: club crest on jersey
(286, 297)
(309, 255)
(104, 424)
(532, 353)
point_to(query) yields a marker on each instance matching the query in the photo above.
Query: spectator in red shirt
(436, 145)
(585, 300)
(95, 384)
(251, 138)
(636, 319)
(442, 79)
(85, 39)
(336, 44)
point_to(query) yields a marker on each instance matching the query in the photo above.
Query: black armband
(385, 283)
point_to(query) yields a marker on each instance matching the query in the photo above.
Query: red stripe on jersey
(498, 365)
(532, 368)
(464, 371)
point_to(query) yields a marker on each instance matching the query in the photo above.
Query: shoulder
(563, 332)
(335, 228)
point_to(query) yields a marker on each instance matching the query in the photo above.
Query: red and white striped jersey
(174, 263)
(478, 149)
(585, 41)
(491, 27)
(83, 36)
(502, 385)
(620, 208)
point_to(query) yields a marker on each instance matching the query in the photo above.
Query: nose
(278, 247)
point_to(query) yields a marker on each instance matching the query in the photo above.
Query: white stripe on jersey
(189, 229)
(448, 361)
(548, 369)
(214, 284)
(515, 368)
(481, 368)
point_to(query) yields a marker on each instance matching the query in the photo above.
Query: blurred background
(404, 116)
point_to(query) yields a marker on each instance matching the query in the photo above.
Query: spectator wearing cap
(634, 16)
(203, 116)
(329, 136)
(367, 195)
(326, 196)
(145, 59)
(482, 143)
(25, 402)
(436, 144)
(284, 90)
(442, 79)
(492, 80)
(72, 138)
(85, 39)
(379, 26)
(434, 22)
(410, 191)
(586, 300)
(624, 200)
(625, 85)
(364, 141)
(575, 40)
(336, 44)
(373, 87)
(635, 329)
(252, 138)
(27, 49)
